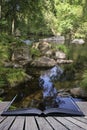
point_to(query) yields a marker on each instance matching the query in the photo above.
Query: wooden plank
(6, 123)
(82, 119)
(30, 123)
(83, 107)
(2, 118)
(56, 124)
(77, 122)
(3, 106)
(68, 124)
(43, 124)
(18, 123)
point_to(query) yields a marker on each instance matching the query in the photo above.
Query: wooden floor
(43, 123)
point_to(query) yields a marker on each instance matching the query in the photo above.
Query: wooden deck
(43, 123)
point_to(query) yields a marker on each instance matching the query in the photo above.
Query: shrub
(35, 52)
(11, 76)
(4, 52)
(62, 48)
(15, 76)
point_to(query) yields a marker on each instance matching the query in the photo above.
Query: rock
(8, 64)
(27, 42)
(43, 62)
(78, 92)
(17, 33)
(55, 39)
(21, 56)
(35, 45)
(60, 55)
(78, 41)
(60, 61)
(13, 65)
(49, 53)
(44, 46)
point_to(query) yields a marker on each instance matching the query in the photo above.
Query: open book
(67, 106)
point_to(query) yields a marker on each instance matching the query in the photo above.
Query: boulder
(27, 42)
(44, 46)
(55, 39)
(43, 62)
(21, 55)
(61, 61)
(78, 92)
(60, 55)
(49, 53)
(35, 45)
(78, 41)
(13, 65)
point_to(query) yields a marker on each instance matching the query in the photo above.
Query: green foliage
(15, 76)
(2, 81)
(11, 76)
(35, 52)
(12, 107)
(62, 48)
(68, 16)
(44, 17)
(5, 38)
(3, 22)
(1, 99)
(4, 53)
(84, 80)
(82, 31)
(78, 53)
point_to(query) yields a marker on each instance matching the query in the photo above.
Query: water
(50, 96)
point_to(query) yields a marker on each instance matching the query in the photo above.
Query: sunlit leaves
(67, 16)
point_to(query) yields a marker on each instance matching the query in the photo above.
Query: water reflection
(50, 98)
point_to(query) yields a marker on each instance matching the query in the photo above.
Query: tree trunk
(13, 26)
(0, 9)
(0, 12)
